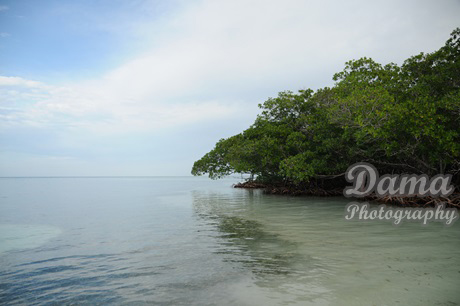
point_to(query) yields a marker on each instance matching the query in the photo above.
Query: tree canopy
(402, 119)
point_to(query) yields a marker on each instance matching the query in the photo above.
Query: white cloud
(17, 81)
(218, 54)
(4, 8)
(4, 34)
(203, 66)
(230, 48)
(31, 103)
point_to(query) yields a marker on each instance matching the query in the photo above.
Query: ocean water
(194, 241)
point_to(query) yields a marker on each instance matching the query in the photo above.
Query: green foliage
(400, 118)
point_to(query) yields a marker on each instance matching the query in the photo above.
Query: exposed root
(290, 190)
(249, 184)
(452, 201)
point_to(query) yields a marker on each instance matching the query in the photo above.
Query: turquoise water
(194, 241)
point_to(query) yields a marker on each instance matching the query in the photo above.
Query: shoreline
(453, 201)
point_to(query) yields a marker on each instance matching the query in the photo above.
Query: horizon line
(105, 176)
(90, 176)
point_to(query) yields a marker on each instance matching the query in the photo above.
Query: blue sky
(145, 87)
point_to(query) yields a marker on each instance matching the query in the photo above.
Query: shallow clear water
(193, 241)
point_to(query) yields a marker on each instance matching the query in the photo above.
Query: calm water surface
(193, 241)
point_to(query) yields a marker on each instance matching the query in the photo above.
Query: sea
(196, 241)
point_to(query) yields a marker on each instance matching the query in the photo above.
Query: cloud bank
(216, 60)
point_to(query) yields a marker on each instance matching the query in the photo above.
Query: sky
(146, 87)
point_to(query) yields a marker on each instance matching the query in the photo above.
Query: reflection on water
(267, 254)
(247, 241)
(302, 251)
(192, 241)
